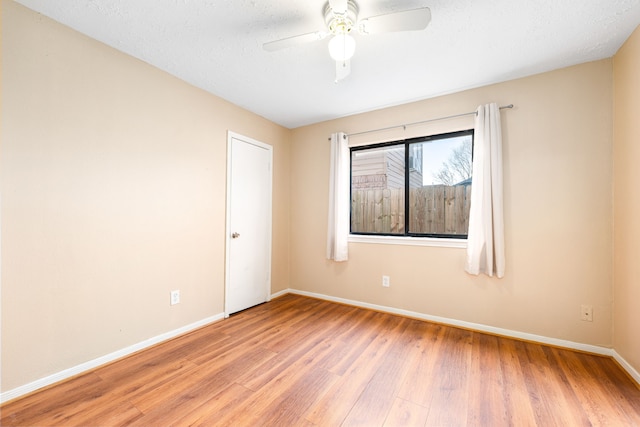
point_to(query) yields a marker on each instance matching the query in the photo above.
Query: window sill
(409, 241)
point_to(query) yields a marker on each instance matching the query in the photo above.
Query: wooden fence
(433, 209)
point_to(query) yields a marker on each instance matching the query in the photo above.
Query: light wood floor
(304, 362)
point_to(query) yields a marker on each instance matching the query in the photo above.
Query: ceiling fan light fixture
(342, 47)
(341, 20)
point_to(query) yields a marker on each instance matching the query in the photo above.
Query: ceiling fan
(341, 18)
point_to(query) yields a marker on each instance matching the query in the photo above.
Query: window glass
(418, 187)
(440, 192)
(377, 190)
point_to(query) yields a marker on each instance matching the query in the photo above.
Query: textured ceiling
(217, 45)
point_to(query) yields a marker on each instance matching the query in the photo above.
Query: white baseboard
(626, 366)
(92, 364)
(467, 325)
(280, 293)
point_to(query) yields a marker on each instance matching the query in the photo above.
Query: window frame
(420, 239)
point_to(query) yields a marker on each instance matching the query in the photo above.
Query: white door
(248, 274)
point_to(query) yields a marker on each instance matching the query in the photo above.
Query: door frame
(227, 281)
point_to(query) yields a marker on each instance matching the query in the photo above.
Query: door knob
(235, 235)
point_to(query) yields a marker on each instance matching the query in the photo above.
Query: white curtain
(339, 199)
(485, 242)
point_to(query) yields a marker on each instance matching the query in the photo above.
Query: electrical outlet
(386, 281)
(587, 313)
(175, 297)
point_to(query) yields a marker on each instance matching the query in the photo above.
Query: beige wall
(558, 213)
(626, 148)
(113, 194)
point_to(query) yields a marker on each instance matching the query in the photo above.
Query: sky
(434, 154)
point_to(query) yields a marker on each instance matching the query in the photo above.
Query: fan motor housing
(341, 23)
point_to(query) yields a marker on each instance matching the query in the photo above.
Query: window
(419, 187)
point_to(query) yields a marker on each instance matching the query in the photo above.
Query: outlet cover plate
(587, 313)
(175, 297)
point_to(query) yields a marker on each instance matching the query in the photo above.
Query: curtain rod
(423, 121)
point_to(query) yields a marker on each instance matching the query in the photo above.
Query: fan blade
(343, 68)
(408, 20)
(294, 41)
(338, 6)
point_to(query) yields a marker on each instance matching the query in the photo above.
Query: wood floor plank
(418, 384)
(486, 391)
(547, 385)
(112, 411)
(336, 404)
(39, 409)
(299, 361)
(211, 411)
(206, 379)
(297, 386)
(289, 407)
(141, 383)
(301, 341)
(306, 327)
(373, 405)
(449, 394)
(266, 372)
(516, 396)
(172, 409)
(614, 391)
(354, 341)
(404, 413)
(587, 396)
